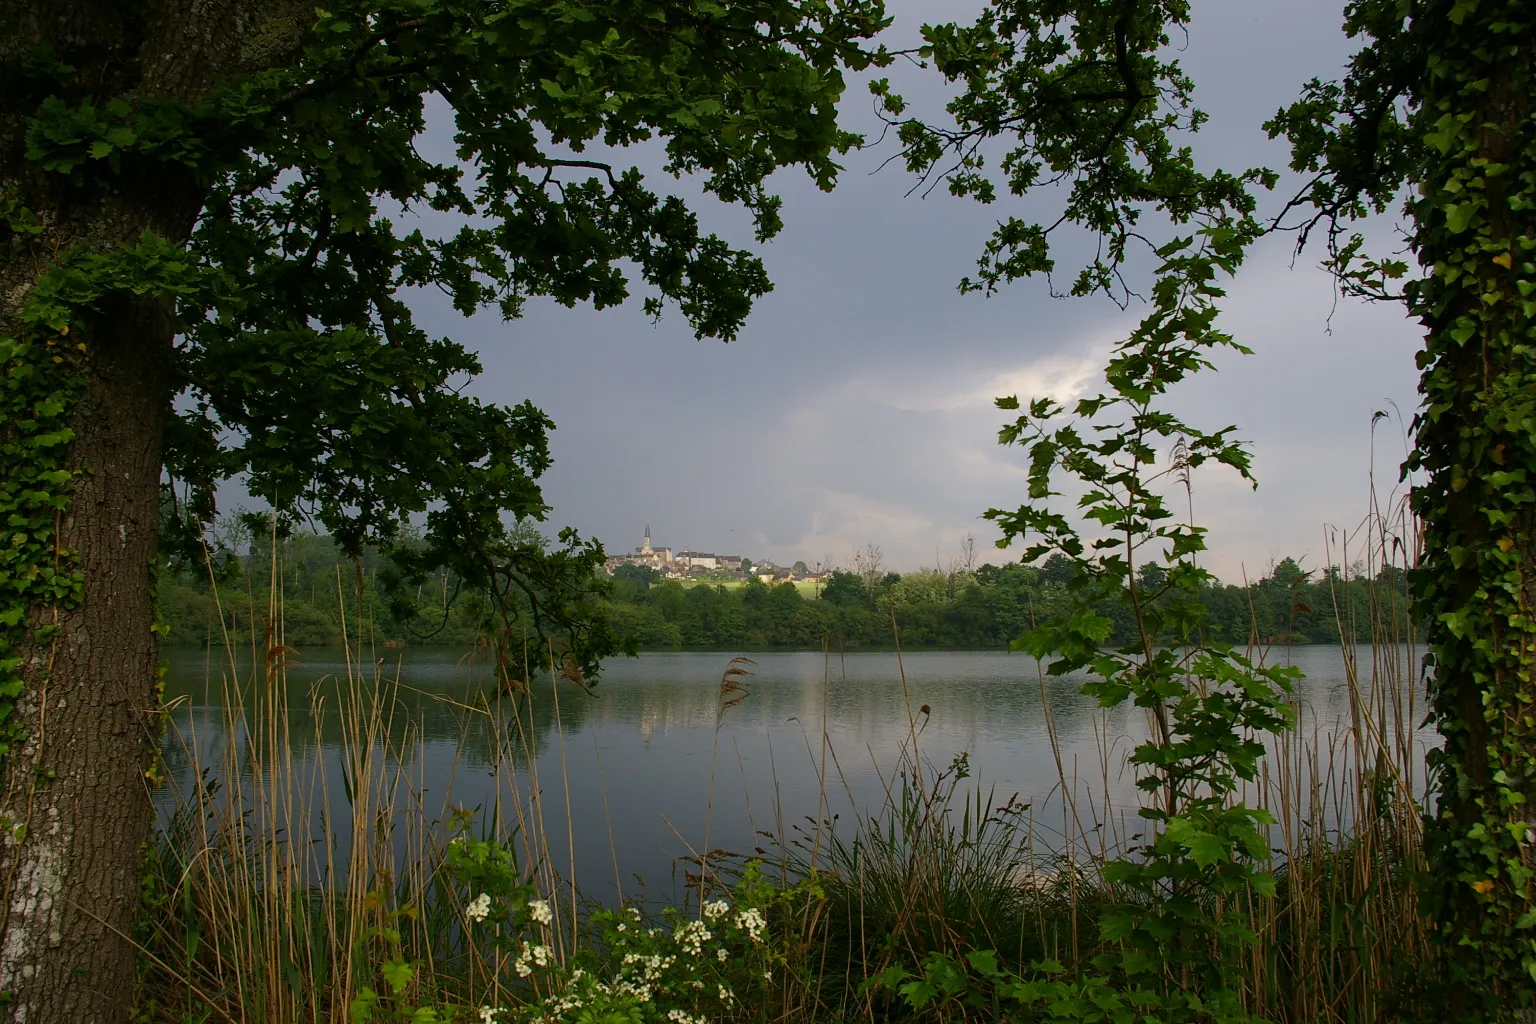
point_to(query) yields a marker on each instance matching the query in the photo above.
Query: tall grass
(941, 868)
(273, 897)
(1344, 940)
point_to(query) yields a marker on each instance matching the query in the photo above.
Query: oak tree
(212, 213)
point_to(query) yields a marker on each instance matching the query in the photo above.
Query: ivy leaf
(1458, 216)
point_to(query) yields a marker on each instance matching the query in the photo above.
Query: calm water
(640, 752)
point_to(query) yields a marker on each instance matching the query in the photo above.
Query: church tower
(646, 548)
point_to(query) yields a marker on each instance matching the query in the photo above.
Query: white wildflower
(563, 1004)
(721, 954)
(488, 1014)
(692, 937)
(753, 922)
(541, 912)
(726, 995)
(623, 927)
(716, 909)
(629, 988)
(478, 907)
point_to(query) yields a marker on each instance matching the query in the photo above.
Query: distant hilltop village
(687, 563)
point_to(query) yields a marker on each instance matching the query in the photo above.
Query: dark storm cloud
(856, 406)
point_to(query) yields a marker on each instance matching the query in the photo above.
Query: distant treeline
(320, 591)
(987, 607)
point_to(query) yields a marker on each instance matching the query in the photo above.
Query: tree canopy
(213, 218)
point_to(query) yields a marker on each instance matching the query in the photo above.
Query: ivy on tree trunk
(1475, 235)
(1438, 102)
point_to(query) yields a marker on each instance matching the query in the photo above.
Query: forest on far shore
(985, 607)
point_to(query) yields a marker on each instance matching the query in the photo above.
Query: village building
(687, 561)
(647, 555)
(691, 560)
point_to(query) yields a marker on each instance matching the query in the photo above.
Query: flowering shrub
(684, 970)
(623, 969)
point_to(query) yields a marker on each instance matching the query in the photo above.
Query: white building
(697, 560)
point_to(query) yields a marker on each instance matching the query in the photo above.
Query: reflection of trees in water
(849, 704)
(459, 745)
(449, 701)
(282, 761)
(485, 728)
(424, 696)
(512, 728)
(175, 758)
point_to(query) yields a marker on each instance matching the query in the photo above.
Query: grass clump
(939, 869)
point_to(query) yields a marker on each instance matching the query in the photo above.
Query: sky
(856, 406)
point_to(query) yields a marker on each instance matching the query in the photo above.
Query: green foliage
(1437, 105)
(1087, 97)
(301, 590)
(317, 586)
(1175, 938)
(844, 588)
(43, 370)
(986, 609)
(1049, 995)
(37, 392)
(928, 875)
(299, 365)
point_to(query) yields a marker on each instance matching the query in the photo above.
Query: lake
(640, 758)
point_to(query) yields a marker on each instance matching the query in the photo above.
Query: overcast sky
(856, 408)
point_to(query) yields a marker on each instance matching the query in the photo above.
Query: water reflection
(638, 758)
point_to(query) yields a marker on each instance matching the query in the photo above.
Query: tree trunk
(77, 785)
(1476, 237)
(74, 792)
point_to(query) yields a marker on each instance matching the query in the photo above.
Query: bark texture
(71, 875)
(77, 785)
